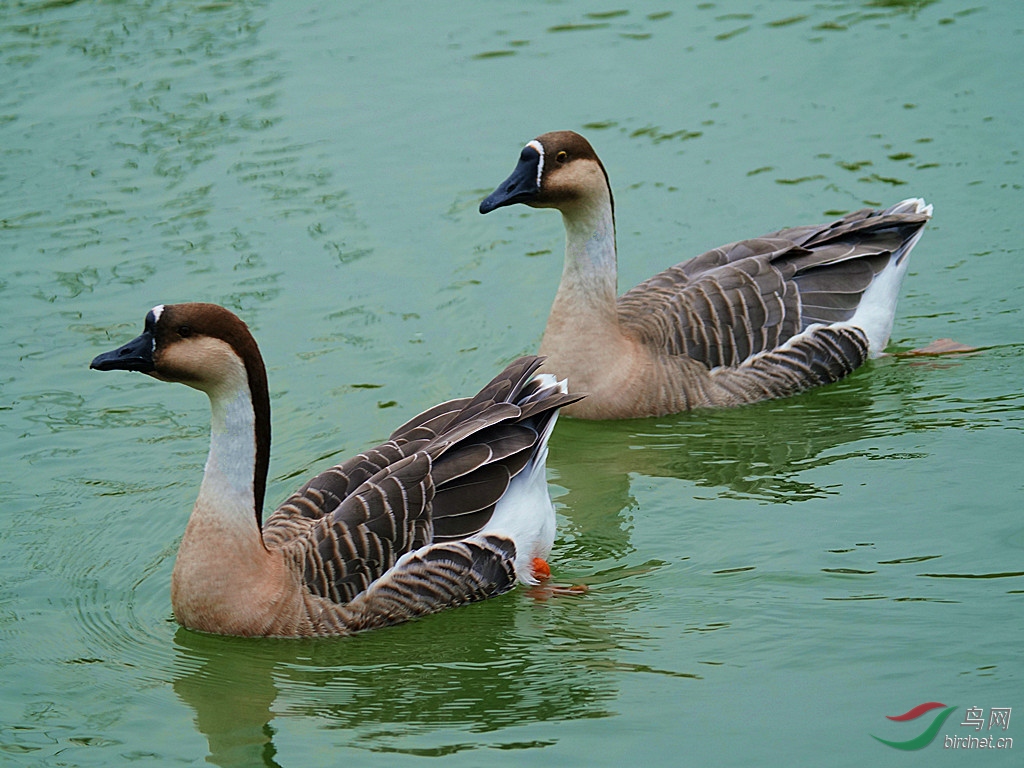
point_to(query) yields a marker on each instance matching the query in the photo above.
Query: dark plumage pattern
(435, 482)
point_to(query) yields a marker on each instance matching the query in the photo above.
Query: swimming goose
(453, 508)
(748, 321)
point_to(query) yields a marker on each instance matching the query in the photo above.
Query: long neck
(239, 459)
(225, 580)
(586, 294)
(228, 489)
(231, 495)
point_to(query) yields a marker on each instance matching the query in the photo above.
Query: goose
(752, 320)
(451, 509)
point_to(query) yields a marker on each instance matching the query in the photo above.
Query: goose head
(556, 170)
(202, 345)
(210, 349)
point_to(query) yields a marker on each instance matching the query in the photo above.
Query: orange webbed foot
(541, 569)
(545, 590)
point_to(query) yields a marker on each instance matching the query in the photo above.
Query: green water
(766, 584)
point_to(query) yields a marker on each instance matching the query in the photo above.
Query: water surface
(766, 584)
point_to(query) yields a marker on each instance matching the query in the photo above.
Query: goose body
(752, 320)
(453, 508)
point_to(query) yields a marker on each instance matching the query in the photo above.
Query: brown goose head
(556, 170)
(210, 349)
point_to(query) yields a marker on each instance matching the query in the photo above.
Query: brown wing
(479, 444)
(434, 578)
(323, 494)
(363, 538)
(438, 479)
(733, 302)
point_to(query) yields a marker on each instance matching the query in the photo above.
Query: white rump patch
(525, 512)
(877, 308)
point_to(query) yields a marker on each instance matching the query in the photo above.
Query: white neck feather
(589, 277)
(226, 494)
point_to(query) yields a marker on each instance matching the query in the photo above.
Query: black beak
(521, 187)
(136, 355)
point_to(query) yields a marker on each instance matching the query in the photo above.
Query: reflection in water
(430, 687)
(761, 452)
(232, 691)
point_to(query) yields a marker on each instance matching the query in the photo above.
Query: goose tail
(877, 309)
(525, 513)
(915, 206)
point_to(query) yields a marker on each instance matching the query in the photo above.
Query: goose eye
(561, 156)
(184, 331)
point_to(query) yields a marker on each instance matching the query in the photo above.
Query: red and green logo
(928, 735)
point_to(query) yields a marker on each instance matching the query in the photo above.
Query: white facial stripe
(157, 311)
(540, 163)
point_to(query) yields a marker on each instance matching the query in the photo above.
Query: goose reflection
(762, 452)
(230, 687)
(426, 688)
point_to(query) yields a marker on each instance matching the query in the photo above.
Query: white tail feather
(877, 309)
(525, 513)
